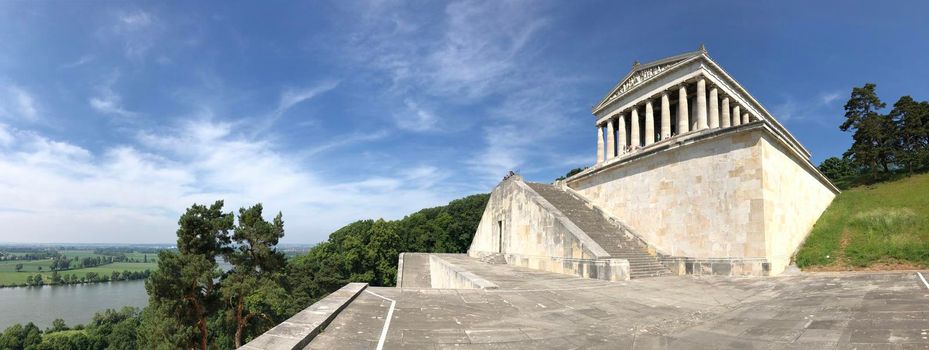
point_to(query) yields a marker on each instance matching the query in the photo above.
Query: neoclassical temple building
(692, 176)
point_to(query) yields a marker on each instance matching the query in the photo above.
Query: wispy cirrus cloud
(80, 61)
(416, 117)
(480, 56)
(18, 104)
(292, 97)
(138, 31)
(792, 109)
(340, 141)
(828, 98)
(289, 99)
(108, 101)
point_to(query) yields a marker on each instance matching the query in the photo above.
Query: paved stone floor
(539, 310)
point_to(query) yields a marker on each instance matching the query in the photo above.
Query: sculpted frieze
(638, 78)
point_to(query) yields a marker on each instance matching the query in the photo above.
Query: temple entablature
(665, 99)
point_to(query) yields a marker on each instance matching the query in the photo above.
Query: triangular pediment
(641, 73)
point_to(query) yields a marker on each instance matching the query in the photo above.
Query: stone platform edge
(731, 266)
(445, 275)
(296, 332)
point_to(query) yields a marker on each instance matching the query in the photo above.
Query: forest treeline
(885, 144)
(194, 305)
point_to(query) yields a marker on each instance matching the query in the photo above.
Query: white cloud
(339, 141)
(108, 102)
(416, 118)
(5, 137)
(828, 98)
(289, 99)
(792, 110)
(137, 31)
(55, 190)
(135, 20)
(17, 103)
(292, 97)
(482, 47)
(785, 111)
(480, 55)
(474, 53)
(85, 59)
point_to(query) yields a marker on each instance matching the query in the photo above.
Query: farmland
(19, 267)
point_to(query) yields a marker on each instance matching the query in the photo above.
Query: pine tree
(912, 120)
(874, 133)
(253, 288)
(182, 290)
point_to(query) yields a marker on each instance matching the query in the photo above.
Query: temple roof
(641, 73)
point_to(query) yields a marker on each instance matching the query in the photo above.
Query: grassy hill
(885, 225)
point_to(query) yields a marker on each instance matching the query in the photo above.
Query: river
(76, 304)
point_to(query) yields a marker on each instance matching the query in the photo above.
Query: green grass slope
(877, 225)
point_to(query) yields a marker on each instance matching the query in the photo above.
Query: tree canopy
(882, 143)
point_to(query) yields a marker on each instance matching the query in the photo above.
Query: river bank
(76, 303)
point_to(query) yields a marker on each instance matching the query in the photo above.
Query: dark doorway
(500, 236)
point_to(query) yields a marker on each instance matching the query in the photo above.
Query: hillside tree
(253, 289)
(912, 120)
(182, 290)
(873, 133)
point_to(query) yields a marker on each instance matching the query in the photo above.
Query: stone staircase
(494, 259)
(610, 236)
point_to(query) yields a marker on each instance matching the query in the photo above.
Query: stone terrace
(541, 310)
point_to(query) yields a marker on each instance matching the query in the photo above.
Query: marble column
(744, 118)
(714, 108)
(634, 140)
(736, 116)
(724, 120)
(665, 116)
(649, 123)
(621, 145)
(599, 144)
(701, 104)
(610, 135)
(682, 122)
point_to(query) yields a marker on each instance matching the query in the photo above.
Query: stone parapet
(296, 332)
(609, 269)
(717, 266)
(445, 275)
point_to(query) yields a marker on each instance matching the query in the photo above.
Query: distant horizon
(116, 244)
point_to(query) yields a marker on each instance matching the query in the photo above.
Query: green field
(884, 225)
(10, 277)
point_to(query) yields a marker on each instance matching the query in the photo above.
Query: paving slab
(540, 310)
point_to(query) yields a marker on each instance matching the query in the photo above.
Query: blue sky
(115, 116)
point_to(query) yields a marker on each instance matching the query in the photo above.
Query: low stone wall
(299, 330)
(445, 275)
(718, 266)
(519, 222)
(413, 271)
(603, 269)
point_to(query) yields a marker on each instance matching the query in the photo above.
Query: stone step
(494, 259)
(609, 236)
(649, 273)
